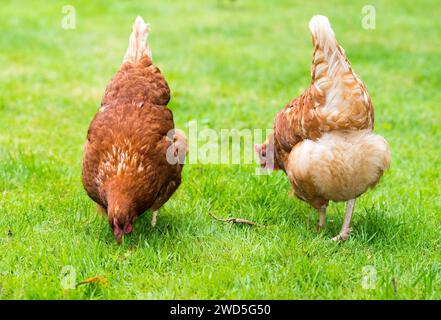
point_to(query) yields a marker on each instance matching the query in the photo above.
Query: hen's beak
(119, 231)
(262, 160)
(118, 234)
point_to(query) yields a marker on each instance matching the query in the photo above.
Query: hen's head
(121, 217)
(265, 152)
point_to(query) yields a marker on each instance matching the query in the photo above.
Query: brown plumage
(133, 156)
(323, 139)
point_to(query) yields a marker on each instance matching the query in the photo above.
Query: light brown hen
(133, 156)
(323, 139)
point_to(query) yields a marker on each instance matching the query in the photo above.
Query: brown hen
(133, 157)
(323, 139)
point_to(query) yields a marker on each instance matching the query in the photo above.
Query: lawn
(229, 64)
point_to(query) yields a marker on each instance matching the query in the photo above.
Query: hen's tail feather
(329, 62)
(335, 82)
(138, 46)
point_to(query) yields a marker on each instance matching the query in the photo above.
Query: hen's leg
(346, 229)
(101, 209)
(155, 217)
(322, 218)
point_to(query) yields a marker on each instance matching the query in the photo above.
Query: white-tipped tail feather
(324, 38)
(322, 31)
(138, 46)
(346, 98)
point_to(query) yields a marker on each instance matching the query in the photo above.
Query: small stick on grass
(234, 220)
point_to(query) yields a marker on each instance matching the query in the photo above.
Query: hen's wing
(175, 156)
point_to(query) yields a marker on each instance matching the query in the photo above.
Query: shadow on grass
(371, 225)
(379, 225)
(168, 227)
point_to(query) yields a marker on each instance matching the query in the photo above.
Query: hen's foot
(154, 218)
(101, 209)
(346, 229)
(320, 226)
(343, 235)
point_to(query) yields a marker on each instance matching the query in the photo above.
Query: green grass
(229, 65)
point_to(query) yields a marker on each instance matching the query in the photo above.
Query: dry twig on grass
(98, 279)
(234, 220)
